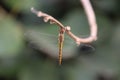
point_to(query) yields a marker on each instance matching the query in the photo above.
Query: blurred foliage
(29, 48)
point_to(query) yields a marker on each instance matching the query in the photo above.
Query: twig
(91, 19)
(92, 23)
(47, 17)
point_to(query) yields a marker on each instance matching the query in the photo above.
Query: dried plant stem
(91, 19)
(47, 17)
(92, 23)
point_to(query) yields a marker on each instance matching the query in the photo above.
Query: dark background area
(29, 48)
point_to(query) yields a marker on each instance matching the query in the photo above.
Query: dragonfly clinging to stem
(63, 29)
(60, 43)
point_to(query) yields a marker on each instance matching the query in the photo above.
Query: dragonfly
(61, 41)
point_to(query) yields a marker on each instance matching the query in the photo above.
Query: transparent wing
(48, 42)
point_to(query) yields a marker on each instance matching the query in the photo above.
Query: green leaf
(11, 37)
(116, 37)
(17, 5)
(108, 6)
(104, 60)
(40, 70)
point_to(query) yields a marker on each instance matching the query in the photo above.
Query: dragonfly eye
(86, 48)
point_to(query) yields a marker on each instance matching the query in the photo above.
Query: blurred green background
(29, 48)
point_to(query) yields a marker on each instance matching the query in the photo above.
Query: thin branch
(92, 23)
(47, 17)
(91, 19)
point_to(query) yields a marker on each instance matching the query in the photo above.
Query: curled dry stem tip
(34, 10)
